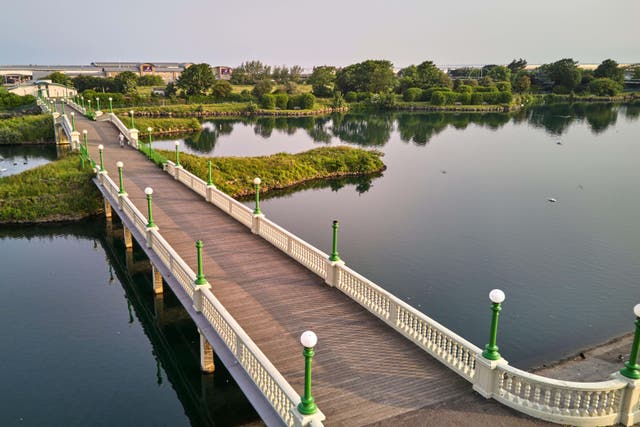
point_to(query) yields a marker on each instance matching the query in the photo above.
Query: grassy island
(234, 175)
(58, 191)
(61, 191)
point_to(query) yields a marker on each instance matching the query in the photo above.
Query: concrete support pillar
(107, 209)
(75, 140)
(486, 378)
(206, 355)
(210, 189)
(157, 280)
(128, 240)
(629, 415)
(255, 223)
(332, 272)
(133, 135)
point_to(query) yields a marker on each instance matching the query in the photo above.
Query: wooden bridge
(378, 361)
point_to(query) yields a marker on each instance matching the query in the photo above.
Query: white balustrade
(582, 404)
(266, 377)
(576, 403)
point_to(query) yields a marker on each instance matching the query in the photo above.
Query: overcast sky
(333, 32)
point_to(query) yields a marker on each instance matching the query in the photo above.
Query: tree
(428, 75)
(170, 90)
(517, 65)
(58, 77)
(250, 72)
(150, 80)
(262, 88)
(196, 80)
(522, 82)
(126, 82)
(221, 89)
(295, 73)
(604, 87)
(367, 76)
(609, 69)
(321, 81)
(564, 73)
(500, 73)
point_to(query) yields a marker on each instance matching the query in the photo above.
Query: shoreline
(594, 363)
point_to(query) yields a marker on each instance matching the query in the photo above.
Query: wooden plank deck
(364, 372)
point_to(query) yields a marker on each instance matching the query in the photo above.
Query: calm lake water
(85, 341)
(462, 208)
(19, 158)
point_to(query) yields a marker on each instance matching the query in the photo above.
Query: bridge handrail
(442, 343)
(111, 117)
(587, 404)
(273, 385)
(276, 389)
(577, 403)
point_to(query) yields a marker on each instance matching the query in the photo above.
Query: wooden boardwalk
(364, 372)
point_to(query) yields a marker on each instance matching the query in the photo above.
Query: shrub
(351, 97)
(464, 89)
(268, 102)
(9, 136)
(282, 99)
(412, 94)
(438, 98)
(504, 86)
(307, 101)
(604, 87)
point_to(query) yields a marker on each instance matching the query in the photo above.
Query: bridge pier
(128, 240)
(107, 209)
(157, 280)
(206, 355)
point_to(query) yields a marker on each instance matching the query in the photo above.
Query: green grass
(162, 125)
(54, 192)
(38, 128)
(234, 175)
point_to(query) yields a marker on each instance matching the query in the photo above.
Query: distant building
(169, 71)
(222, 72)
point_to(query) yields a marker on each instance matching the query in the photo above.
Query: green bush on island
(56, 191)
(16, 130)
(10, 100)
(234, 175)
(162, 125)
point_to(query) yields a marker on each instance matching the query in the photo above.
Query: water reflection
(86, 326)
(376, 130)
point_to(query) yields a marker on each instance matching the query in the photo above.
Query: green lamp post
(97, 104)
(73, 121)
(307, 406)
(100, 148)
(632, 369)
(491, 350)
(200, 279)
(149, 191)
(256, 184)
(132, 123)
(177, 153)
(149, 129)
(89, 106)
(120, 165)
(111, 105)
(82, 100)
(209, 181)
(86, 145)
(334, 247)
(62, 107)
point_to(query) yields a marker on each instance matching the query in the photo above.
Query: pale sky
(332, 32)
